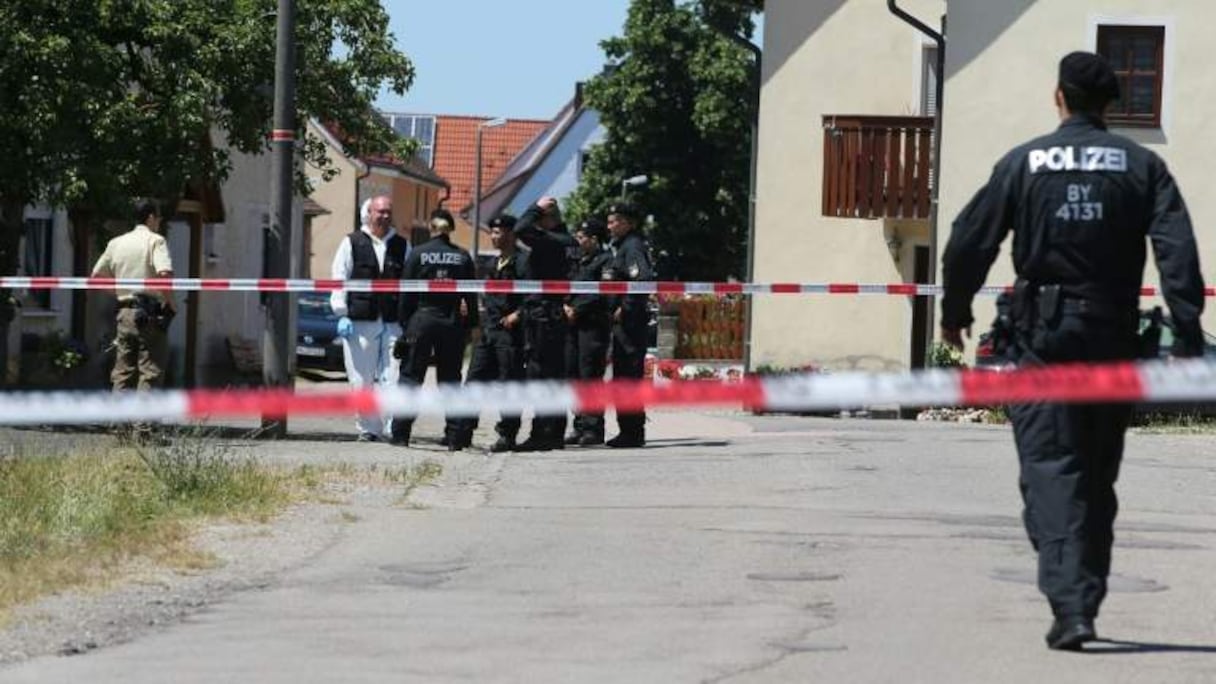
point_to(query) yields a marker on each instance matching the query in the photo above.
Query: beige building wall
(339, 196)
(829, 57)
(1001, 73)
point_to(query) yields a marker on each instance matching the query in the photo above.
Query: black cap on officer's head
(1089, 77)
(595, 228)
(626, 210)
(503, 221)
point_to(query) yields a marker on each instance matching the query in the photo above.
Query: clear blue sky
(516, 58)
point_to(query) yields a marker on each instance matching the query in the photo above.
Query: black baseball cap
(593, 228)
(624, 209)
(504, 221)
(1090, 75)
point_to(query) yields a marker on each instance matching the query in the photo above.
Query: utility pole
(277, 339)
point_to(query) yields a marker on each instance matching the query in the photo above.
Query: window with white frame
(36, 258)
(417, 127)
(1137, 55)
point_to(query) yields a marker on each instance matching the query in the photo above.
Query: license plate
(317, 352)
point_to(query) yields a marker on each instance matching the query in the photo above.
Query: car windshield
(315, 305)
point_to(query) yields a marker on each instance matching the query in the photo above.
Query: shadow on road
(1119, 646)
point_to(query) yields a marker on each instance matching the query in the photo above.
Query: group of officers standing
(533, 336)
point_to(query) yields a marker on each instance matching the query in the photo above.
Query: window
(420, 128)
(36, 260)
(1137, 55)
(928, 81)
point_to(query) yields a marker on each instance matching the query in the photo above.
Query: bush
(942, 355)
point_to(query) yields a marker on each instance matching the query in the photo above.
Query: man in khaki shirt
(141, 342)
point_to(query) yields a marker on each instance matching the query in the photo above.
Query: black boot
(628, 440)
(1068, 632)
(503, 444)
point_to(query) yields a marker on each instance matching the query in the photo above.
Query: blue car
(317, 343)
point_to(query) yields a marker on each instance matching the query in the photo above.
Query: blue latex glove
(346, 327)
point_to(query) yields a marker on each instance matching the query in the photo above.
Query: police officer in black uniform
(590, 326)
(1081, 203)
(630, 315)
(436, 325)
(499, 354)
(553, 257)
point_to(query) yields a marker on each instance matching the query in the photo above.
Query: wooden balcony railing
(877, 166)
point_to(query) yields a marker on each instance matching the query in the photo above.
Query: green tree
(105, 100)
(677, 106)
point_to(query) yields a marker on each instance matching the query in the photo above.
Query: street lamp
(630, 182)
(492, 123)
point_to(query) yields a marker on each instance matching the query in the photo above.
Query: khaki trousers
(141, 354)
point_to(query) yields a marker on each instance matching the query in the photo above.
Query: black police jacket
(369, 306)
(1080, 202)
(592, 309)
(499, 306)
(631, 262)
(439, 259)
(555, 254)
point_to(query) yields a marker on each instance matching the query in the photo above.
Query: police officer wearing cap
(554, 256)
(630, 316)
(590, 326)
(436, 324)
(1081, 202)
(499, 354)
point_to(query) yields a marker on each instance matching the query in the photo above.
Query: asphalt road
(735, 549)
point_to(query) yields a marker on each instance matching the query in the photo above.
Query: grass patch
(1174, 423)
(75, 520)
(79, 520)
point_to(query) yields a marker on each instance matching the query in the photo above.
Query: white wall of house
(1001, 73)
(560, 172)
(830, 57)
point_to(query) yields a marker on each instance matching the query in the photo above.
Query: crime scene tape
(1179, 381)
(556, 287)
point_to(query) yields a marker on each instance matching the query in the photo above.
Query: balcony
(877, 166)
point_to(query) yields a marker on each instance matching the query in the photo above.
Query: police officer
(1080, 202)
(143, 317)
(436, 324)
(499, 354)
(630, 315)
(554, 254)
(590, 326)
(368, 323)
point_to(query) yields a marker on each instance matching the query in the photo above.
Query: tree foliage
(105, 100)
(677, 104)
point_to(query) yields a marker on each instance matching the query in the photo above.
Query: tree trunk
(83, 228)
(12, 214)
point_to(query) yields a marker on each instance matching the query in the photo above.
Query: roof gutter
(940, 40)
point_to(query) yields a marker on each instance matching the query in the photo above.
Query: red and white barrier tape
(488, 286)
(1189, 380)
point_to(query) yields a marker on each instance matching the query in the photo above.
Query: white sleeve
(343, 264)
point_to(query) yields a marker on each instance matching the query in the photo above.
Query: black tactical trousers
(1070, 456)
(498, 356)
(629, 362)
(545, 333)
(587, 356)
(431, 335)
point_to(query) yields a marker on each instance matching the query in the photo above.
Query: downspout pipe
(757, 55)
(940, 40)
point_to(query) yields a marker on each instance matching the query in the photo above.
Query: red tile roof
(456, 152)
